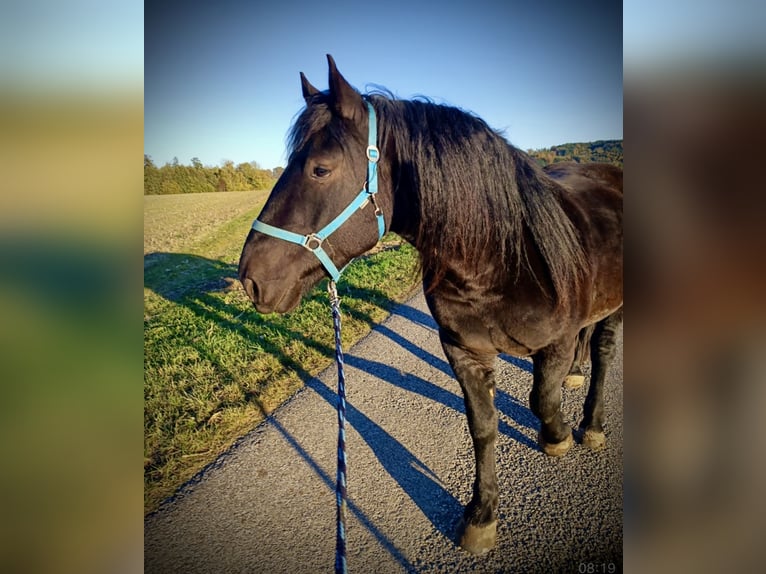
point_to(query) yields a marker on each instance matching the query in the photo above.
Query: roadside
(213, 367)
(267, 505)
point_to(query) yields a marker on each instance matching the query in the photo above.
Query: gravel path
(268, 505)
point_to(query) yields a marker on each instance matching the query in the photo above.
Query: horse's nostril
(250, 288)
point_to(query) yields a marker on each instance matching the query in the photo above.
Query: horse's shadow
(505, 403)
(411, 474)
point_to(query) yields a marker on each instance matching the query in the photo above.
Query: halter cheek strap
(313, 241)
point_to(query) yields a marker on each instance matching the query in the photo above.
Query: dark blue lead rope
(340, 482)
(313, 242)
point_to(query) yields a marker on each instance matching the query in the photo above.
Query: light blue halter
(313, 241)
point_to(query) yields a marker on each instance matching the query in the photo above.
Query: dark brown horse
(515, 259)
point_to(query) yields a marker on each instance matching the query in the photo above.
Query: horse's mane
(475, 192)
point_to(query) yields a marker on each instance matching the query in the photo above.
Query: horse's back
(583, 176)
(593, 195)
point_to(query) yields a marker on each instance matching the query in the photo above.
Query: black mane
(475, 192)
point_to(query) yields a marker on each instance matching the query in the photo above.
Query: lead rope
(340, 481)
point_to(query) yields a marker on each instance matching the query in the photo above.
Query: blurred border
(696, 321)
(71, 145)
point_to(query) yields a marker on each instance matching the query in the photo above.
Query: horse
(515, 258)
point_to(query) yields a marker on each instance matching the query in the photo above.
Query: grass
(213, 367)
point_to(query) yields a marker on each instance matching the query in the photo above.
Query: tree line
(604, 151)
(175, 177)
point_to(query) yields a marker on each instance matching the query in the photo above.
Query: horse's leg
(602, 352)
(475, 373)
(551, 365)
(576, 377)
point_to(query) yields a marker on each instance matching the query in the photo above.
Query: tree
(606, 151)
(175, 177)
(152, 176)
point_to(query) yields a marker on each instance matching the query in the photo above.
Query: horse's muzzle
(259, 298)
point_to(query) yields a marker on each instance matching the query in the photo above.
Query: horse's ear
(308, 89)
(347, 101)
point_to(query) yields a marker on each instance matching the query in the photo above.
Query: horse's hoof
(594, 440)
(556, 449)
(479, 540)
(573, 381)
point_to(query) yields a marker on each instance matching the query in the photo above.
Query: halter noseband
(313, 241)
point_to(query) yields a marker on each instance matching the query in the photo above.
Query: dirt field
(174, 222)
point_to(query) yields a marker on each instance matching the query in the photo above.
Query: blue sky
(221, 78)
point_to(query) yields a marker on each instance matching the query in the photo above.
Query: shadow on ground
(194, 281)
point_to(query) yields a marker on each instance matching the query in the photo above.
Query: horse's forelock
(315, 118)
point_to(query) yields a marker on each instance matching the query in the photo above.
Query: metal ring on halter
(373, 153)
(309, 239)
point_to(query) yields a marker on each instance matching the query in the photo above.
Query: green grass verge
(214, 367)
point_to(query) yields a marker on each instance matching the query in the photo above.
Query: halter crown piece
(313, 241)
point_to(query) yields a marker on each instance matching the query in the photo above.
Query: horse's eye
(321, 171)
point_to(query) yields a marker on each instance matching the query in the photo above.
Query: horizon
(267, 168)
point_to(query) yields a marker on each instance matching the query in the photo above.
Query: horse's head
(324, 210)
